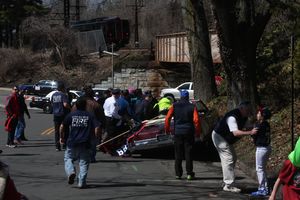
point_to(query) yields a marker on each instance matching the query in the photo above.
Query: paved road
(38, 172)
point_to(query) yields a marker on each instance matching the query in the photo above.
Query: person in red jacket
(13, 112)
(186, 125)
(289, 176)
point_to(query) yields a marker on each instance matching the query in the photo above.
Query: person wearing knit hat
(262, 142)
(289, 176)
(186, 127)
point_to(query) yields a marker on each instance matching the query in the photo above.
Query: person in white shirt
(112, 117)
(229, 130)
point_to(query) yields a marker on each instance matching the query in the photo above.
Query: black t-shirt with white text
(82, 125)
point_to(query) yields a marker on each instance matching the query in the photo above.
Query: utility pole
(70, 10)
(66, 13)
(112, 66)
(137, 6)
(293, 90)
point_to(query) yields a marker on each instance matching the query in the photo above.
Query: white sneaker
(229, 188)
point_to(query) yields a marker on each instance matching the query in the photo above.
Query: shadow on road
(19, 154)
(117, 161)
(201, 152)
(103, 185)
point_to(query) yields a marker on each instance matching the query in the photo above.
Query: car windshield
(184, 87)
(79, 93)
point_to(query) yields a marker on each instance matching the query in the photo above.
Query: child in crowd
(289, 176)
(263, 150)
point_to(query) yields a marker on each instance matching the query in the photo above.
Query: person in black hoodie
(262, 142)
(229, 130)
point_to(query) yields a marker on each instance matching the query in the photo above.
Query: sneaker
(229, 188)
(178, 177)
(58, 149)
(18, 142)
(71, 178)
(82, 185)
(260, 193)
(190, 177)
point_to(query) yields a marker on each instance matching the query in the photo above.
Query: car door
(191, 91)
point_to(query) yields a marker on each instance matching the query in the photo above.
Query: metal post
(66, 13)
(77, 10)
(136, 35)
(112, 65)
(293, 92)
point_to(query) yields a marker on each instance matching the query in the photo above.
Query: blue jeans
(83, 155)
(20, 127)
(262, 156)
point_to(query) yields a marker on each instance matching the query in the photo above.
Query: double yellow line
(48, 131)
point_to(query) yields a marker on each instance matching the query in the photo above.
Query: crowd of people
(96, 119)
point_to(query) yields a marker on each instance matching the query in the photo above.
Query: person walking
(60, 107)
(93, 107)
(262, 142)
(13, 113)
(83, 127)
(228, 131)
(19, 132)
(186, 126)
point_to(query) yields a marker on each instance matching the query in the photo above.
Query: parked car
(99, 92)
(175, 92)
(41, 88)
(151, 134)
(44, 103)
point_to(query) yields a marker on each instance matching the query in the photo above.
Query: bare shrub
(14, 63)
(60, 40)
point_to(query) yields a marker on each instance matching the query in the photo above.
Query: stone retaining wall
(146, 79)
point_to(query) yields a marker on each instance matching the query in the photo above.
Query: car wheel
(48, 109)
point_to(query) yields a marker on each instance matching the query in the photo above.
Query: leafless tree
(200, 49)
(62, 40)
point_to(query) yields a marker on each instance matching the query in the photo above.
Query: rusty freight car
(174, 48)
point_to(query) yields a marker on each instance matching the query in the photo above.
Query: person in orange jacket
(186, 125)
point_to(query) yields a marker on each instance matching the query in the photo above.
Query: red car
(151, 134)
